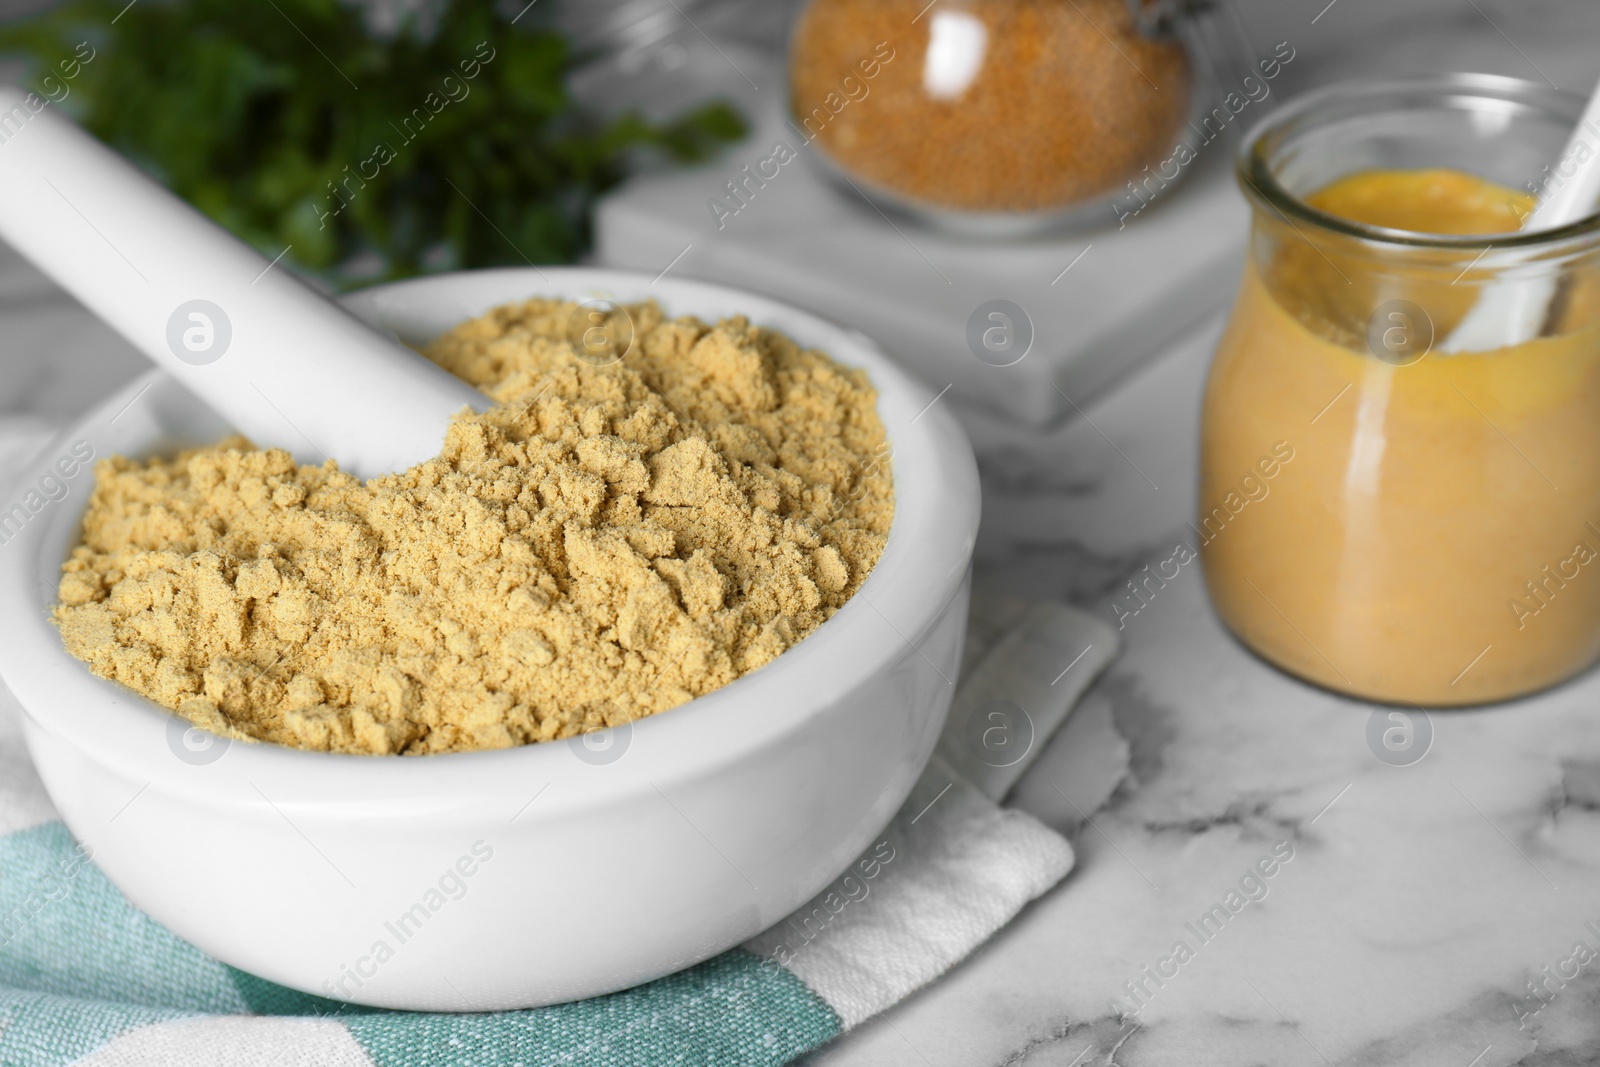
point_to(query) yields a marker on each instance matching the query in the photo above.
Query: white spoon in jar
(1511, 311)
(286, 365)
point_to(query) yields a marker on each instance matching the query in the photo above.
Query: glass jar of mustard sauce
(1000, 117)
(1381, 513)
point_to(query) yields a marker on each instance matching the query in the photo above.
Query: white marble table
(1420, 900)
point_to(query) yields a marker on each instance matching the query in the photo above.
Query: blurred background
(608, 131)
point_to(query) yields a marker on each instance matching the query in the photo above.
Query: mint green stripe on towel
(262, 997)
(80, 966)
(733, 1009)
(67, 931)
(45, 1030)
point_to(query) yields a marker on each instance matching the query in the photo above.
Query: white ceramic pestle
(1511, 311)
(287, 366)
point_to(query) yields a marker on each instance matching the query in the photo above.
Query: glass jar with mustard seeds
(1009, 116)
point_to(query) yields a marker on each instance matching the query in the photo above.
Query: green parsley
(439, 147)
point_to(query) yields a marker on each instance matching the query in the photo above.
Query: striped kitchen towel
(86, 979)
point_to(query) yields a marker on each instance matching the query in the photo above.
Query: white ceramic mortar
(616, 858)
